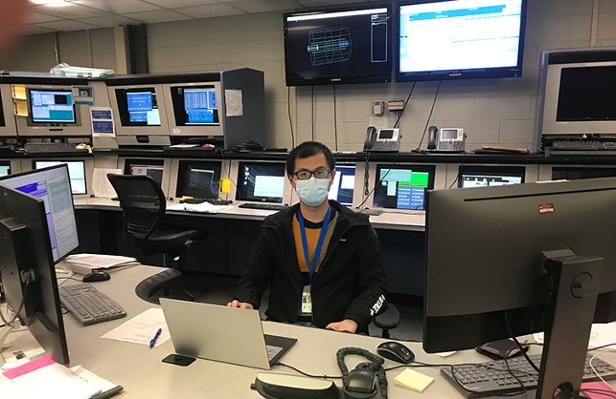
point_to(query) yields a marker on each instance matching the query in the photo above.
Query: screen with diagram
(460, 35)
(343, 184)
(260, 181)
(350, 45)
(402, 187)
(145, 167)
(195, 105)
(199, 180)
(138, 107)
(51, 106)
(490, 176)
(76, 172)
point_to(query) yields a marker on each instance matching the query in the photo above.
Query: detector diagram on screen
(330, 45)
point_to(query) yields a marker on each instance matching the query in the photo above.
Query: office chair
(144, 205)
(387, 319)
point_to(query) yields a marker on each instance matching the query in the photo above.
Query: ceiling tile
(118, 6)
(35, 30)
(153, 17)
(255, 6)
(173, 4)
(66, 25)
(37, 17)
(109, 21)
(213, 10)
(70, 11)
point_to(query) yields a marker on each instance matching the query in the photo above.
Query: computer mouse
(396, 352)
(361, 381)
(96, 275)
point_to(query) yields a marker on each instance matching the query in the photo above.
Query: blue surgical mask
(312, 192)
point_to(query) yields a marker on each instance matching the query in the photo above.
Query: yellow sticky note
(413, 380)
(19, 92)
(20, 108)
(225, 186)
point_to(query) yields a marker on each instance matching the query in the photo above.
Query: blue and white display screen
(5, 170)
(142, 108)
(52, 106)
(199, 105)
(460, 35)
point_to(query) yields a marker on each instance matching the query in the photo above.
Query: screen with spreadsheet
(195, 105)
(402, 187)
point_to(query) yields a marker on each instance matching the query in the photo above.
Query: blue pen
(153, 340)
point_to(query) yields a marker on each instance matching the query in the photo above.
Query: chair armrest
(388, 317)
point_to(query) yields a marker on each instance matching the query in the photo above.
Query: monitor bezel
(85, 170)
(494, 170)
(269, 200)
(430, 169)
(184, 164)
(33, 122)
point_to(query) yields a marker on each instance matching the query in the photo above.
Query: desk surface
(142, 374)
(387, 220)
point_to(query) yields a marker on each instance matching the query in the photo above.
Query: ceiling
(91, 14)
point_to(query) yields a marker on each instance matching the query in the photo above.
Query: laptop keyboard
(272, 351)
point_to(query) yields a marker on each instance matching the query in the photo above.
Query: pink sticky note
(28, 367)
(600, 386)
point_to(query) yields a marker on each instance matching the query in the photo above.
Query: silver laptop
(222, 334)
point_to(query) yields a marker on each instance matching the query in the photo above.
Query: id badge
(306, 301)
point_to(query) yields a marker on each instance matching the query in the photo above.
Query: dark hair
(308, 149)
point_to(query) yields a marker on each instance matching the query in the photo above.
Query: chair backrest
(143, 202)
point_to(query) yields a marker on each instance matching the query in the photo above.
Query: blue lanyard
(312, 266)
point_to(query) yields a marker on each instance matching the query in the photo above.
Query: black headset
(372, 370)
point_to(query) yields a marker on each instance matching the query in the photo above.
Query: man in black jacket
(321, 261)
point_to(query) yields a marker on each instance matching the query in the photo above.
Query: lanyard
(312, 266)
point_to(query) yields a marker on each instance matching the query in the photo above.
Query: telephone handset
(382, 140)
(446, 139)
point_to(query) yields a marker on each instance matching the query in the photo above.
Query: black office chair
(144, 205)
(387, 318)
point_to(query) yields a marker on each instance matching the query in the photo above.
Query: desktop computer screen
(51, 106)
(138, 107)
(5, 169)
(260, 181)
(52, 185)
(343, 185)
(76, 171)
(195, 105)
(490, 176)
(577, 173)
(402, 187)
(148, 167)
(200, 180)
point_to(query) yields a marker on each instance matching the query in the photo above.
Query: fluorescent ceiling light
(52, 3)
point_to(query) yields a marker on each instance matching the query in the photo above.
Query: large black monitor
(147, 167)
(343, 185)
(490, 176)
(198, 179)
(138, 106)
(402, 186)
(520, 259)
(76, 171)
(345, 44)
(261, 181)
(28, 265)
(53, 186)
(577, 173)
(5, 168)
(459, 39)
(51, 106)
(195, 105)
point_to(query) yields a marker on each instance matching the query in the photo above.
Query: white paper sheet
(141, 328)
(601, 334)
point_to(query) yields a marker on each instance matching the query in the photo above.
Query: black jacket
(350, 283)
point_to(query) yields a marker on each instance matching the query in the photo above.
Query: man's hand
(241, 305)
(344, 325)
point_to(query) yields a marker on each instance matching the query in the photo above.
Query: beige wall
(493, 111)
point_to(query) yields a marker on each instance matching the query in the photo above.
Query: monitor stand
(571, 310)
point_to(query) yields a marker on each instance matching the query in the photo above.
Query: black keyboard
(265, 207)
(43, 148)
(88, 305)
(583, 145)
(494, 379)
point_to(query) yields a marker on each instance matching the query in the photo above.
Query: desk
(142, 374)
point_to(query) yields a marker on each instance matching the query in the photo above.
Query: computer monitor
(197, 179)
(195, 105)
(76, 171)
(260, 181)
(343, 185)
(490, 176)
(138, 106)
(53, 186)
(51, 106)
(25, 255)
(458, 39)
(500, 263)
(402, 186)
(147, 167)
(5, 169)
(577, 173)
